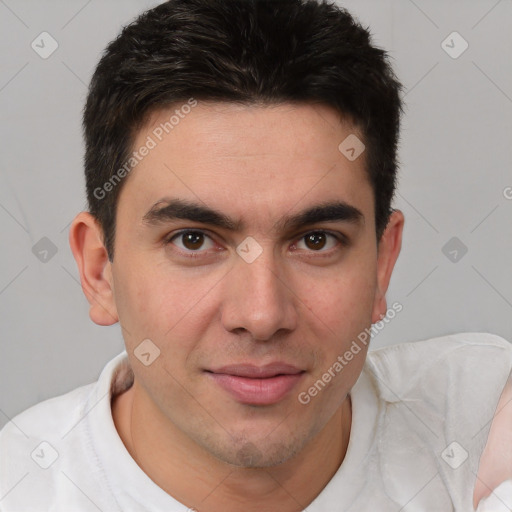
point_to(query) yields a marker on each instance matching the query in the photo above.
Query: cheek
(141, 303)
(342, 299)
(160, 304)
(340, 307)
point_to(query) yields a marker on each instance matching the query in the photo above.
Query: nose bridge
(258, 300)
(262, 278)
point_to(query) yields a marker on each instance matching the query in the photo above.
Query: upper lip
(252, 371)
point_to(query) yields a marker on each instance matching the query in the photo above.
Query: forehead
(222, 129)
(249, 157)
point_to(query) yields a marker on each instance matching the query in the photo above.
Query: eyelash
(342, 240)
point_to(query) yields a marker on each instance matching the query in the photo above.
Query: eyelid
(169, 239)
(336, 234)
(340, 237)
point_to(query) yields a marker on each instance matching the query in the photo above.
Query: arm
(496, 460)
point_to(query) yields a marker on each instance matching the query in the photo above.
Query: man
(240, 167)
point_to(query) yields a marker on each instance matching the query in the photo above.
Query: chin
(250, 455)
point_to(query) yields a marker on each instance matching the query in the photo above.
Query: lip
(257, 385)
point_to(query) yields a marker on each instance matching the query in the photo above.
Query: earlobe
(388, 251)
(85, 240)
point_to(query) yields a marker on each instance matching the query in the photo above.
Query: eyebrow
(167, 210)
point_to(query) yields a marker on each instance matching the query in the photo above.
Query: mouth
(257, 385)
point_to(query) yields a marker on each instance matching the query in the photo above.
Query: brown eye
(191, 241)
(315, 240)
(318, 240)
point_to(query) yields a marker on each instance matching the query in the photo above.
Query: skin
(294, 303)
(496, 460)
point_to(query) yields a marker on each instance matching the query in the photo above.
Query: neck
(197, 479)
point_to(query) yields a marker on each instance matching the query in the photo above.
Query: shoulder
(60, 413)
(443, 345)
(41, 422)
(31, 449)
(456, 381)
(45, 416)
(43, 445)
(463, 357)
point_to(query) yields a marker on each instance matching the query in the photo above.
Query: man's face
(302, 301)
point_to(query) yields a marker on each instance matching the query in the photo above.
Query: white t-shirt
(421, 416)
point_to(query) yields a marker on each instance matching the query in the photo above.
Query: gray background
(456, 165)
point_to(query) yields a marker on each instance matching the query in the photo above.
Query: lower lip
(257, 391)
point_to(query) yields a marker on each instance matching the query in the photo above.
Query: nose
(258, 299)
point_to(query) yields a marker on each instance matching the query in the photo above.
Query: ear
(388, 251)
(86, 241)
